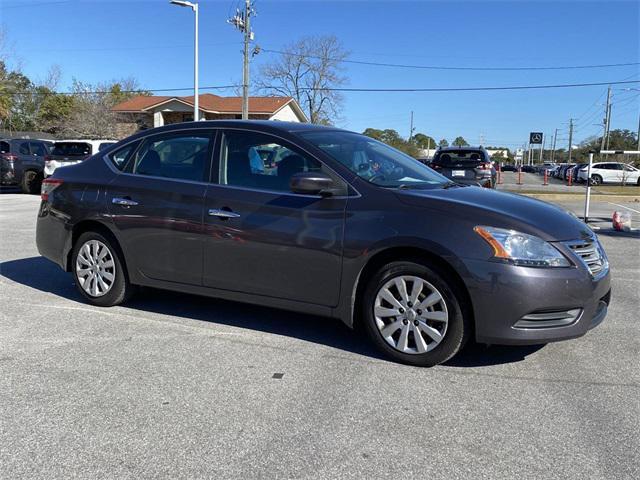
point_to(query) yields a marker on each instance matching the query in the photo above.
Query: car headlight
(521, 249)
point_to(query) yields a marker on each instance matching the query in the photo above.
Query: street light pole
(196, 94)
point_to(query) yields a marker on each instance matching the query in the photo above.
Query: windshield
(374, 161)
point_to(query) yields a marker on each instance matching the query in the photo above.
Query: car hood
(484, 206)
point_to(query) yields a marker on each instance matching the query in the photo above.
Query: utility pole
(638, 133)
(553, 150)
(411, 127)
(607, 111)
(242, 21)
(570, 137)
(608, 127)
(544, 139)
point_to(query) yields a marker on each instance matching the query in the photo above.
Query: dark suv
(22, 162)
(466, 165)
(342, 226)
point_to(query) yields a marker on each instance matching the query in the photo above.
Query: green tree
(460, 142)
(423, 141)
(393, 139)
(443, 143)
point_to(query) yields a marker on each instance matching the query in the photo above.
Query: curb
(576, 196)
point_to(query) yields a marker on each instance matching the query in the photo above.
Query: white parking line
(622, 206)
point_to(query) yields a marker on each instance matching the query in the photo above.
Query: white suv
(610, 172)
(70, 152)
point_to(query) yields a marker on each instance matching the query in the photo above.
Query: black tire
(596, 180)
(31, 182)
(121, 290)
(458, 327)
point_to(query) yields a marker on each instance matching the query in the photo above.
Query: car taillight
(484, 166)
(48, 186)
(9, 157)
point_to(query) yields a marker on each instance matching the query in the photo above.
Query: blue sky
(98, 40)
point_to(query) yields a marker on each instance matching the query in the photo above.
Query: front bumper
(523, 305)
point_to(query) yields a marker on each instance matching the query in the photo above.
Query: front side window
(23, 148)
(256, 160)
(374, 161)
(180, 156)
(37, 148)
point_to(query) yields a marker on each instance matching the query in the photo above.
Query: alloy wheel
(411, 314)
(95, 268)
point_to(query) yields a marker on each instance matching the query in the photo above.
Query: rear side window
(120, 156)
(179, 156)
(71, 148)
(5, 147)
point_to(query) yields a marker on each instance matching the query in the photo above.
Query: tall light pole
(196, 95)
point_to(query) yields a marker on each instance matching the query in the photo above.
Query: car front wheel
(99, 271)
(596, 180)
(413, 315)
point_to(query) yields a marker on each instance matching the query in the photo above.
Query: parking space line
(622, 206)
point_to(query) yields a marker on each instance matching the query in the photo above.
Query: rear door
(157, 204)
(262, 239)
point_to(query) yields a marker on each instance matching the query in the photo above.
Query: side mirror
(311, 183)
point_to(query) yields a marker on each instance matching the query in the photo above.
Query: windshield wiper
(408, 186)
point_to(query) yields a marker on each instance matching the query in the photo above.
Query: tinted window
(179, 156)
(37, 148)
(104, 145)
(616, 166)
(256, 160)
(23, 148)
(374, 161)
(5, 147)
(71, 148)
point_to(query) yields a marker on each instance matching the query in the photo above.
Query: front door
(157, 205)
(263, 239)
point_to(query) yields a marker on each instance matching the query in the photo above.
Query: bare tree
(91, 116)
(308, 70)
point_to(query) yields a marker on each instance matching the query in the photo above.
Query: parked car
(22, 162)
(70, 152)
(611, 172)
(346, 227)
(575, 170)
(466, 165)
(508, 168)
(529, 169)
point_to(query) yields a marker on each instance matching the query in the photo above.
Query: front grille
(591, 254)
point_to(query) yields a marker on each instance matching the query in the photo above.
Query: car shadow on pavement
(43, 275)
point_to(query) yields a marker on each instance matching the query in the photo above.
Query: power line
(347, 89)
(441, 67)
(464, 89)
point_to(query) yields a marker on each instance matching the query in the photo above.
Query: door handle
(222, 214)
(125, 202)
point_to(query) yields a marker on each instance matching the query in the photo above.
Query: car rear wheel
(413, 315)
(99, 271)
(31, 182)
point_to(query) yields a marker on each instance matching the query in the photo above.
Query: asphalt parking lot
(177, 386)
